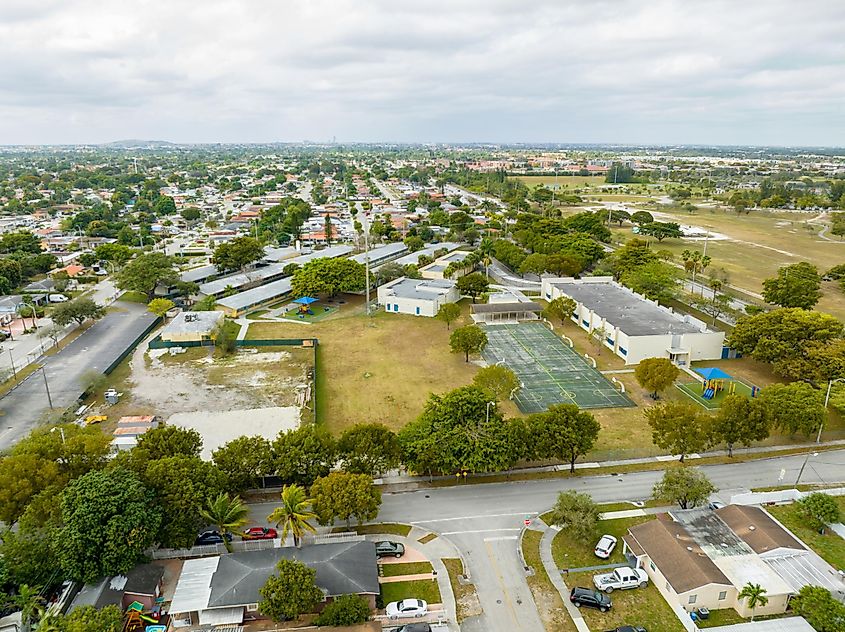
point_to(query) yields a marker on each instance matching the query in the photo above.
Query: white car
(406, 608)
(621, 579)
(605, 546)
(57, 298)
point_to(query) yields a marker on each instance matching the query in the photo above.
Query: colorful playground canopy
(306, 300)
(713, 373)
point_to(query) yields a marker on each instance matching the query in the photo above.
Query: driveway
(27, 405)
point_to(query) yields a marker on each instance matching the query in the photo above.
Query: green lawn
(693, 390)
(466, 599)
(640, 606)
(830, 547)
(428, 537)
(134, 297)
(407, 568)
(425, 589)
(573, 552)
(546, 597)
(387, 528)
(728, 616)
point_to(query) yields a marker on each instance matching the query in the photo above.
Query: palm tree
(755, 595)
(30, 602)
(226, 514)
(294, 513)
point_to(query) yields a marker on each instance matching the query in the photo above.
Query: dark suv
(591, 598)
(389, 549)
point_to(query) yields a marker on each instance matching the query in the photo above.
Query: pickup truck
(621, 579)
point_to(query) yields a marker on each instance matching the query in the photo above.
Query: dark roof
(342, 568)
(757, 528)
(502, 308)
(674, 551)
(109, 591)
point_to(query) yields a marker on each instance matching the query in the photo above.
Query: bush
(345, 610)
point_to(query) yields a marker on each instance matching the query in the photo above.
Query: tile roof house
(703, 558)
(223, 590)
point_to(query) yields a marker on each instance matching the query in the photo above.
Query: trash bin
(703, 613)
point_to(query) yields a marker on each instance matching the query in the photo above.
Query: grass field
(830, 546)
(388, 528)
(573, 552)
(425, 589)
(377, 369)
(694, 392)
(549, 604)
(571, 182)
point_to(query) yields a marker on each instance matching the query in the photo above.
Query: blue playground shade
(306, 300)
(713, 373)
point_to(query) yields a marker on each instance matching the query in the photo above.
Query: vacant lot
(380, 368)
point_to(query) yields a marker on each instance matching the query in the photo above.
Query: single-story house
(420, 297)
(192, 327)
(224, 590)
(703, 558)
(141, 584)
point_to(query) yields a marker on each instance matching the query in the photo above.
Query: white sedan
(605, 546)
(406, 608)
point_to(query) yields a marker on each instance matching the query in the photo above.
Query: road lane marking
(505, 594)
(477, 531)
(521, 513)
(502, 537)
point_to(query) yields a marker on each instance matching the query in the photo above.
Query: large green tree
(237, 253)
(796, 285)
(109, 519)
(369, 449)
(305, 454)
(819, 510)
(656, 374)
(497, 379)
(346, 610)
(449, 313)
(244, 461)
(560, 308)
(679, 427)
(687, 486)
(468, 339)
(227, 513)
(794, 408)
(473, 285)
(294, 513)
(820, 608)
(661, 230)
(145, 272)
(78, 310)
(329, 276)
(562, 432)
(576, 513)
(343, 495)
(741, 420)
(291, 592)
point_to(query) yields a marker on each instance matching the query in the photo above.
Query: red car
(260, 533)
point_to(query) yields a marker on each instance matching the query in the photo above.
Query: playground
(303, 309)
(716, 385)
(549, 371)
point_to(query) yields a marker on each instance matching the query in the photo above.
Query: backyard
(830, 546)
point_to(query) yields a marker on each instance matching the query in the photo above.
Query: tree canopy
(145, 272)
(498, 379)
(656, 374)
(679, 427)
(237, 253)
(577, 513)
(796, 285)
(369, 448)
(344, 495)
(329, 276)
(291, 592)
(687, 486)
(794, 408)
(78, 310)
(468, 339)
(305, 454)
(741, 420)
(562, 432)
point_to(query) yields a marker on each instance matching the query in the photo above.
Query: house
(420, 297)
(635, 327)
(141, 584)
(702, 558)
(72, 270)
(224, 590)
(192, 327)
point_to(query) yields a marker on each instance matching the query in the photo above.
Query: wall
(704, 346)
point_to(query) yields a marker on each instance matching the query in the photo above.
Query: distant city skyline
(622, 72)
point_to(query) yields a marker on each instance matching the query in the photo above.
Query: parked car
(590, 598)
(211, 537)
(406, 608)
(628, 628)
(260, 533)
(605, 546)
(621, 579)
(57, 298)
(389, 549)
(715, 504)
(414, 627)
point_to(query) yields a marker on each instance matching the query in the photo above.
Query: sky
(733, 72)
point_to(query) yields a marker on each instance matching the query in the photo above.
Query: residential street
(484, 521)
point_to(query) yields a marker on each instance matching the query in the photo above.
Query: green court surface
(550, 372)
(693, 390)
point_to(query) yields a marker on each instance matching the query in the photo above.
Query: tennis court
(550, 372)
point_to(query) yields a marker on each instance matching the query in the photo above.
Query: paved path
(27, 405)
(557, 579)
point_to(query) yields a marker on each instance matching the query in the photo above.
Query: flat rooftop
(193, 322)
(423, 289)
(630, 312)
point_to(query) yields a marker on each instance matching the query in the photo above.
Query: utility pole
(366, 224)
(47, 387)
(12, 361)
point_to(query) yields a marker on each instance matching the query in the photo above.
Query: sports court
(550, 372)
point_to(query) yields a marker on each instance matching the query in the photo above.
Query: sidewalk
(557, 579)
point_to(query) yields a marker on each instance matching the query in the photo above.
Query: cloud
(669, 71)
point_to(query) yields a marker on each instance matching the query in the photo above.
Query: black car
(414, 627)
(390, 549)
(628, 628)
(211, 537)
(591, 598)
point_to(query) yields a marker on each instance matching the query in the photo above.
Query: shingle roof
(342, 568)
(757, 528)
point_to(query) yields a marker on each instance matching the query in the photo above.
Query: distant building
(130, 428)
(192, 327)
(420, 297)
(635, 328)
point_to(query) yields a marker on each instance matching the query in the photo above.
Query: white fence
(780, 496)
(250, 545)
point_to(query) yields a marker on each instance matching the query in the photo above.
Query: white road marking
(521, 513)
(477, 531)
(502, 537)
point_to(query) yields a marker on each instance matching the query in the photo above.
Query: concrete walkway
(405, 578)
(557, 579)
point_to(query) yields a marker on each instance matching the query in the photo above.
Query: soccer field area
(550, 372)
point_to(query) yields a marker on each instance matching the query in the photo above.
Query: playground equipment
(717, 381)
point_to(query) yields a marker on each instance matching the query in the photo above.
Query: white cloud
(714, 71)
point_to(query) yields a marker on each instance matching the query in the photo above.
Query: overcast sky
(614, 71)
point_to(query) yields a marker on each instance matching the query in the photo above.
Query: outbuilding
(192, 327)
(420, 297)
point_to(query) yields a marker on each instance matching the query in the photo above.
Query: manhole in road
(498, 601)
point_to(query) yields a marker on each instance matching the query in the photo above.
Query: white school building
(420, 297)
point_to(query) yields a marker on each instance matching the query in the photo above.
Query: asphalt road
(26, 406)
(484, 521)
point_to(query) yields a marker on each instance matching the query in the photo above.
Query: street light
(826, 400)
(488, 411)
(801, 471)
